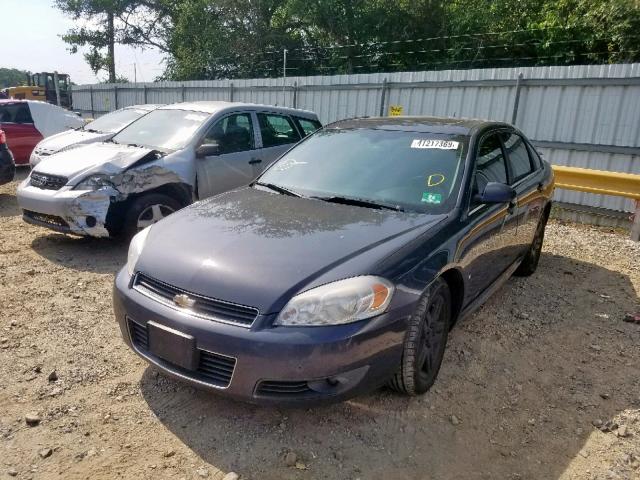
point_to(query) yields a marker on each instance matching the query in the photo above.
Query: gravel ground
(530, 384)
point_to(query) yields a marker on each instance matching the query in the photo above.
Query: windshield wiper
(361, 202)
(135, 145)
(91, 130)
(279, 189)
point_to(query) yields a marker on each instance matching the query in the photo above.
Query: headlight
(94, 182)
(135, 249)
(337, 303)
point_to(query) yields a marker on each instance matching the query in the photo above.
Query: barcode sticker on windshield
(433, 143)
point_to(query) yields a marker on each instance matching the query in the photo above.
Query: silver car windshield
(115, 121)
(168, 129)
(413, 171)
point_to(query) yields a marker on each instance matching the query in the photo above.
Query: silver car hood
(77, 163)
(63, 140)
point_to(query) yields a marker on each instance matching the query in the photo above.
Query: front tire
(147, 210)
(425, 341)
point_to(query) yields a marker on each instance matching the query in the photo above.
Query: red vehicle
(27, 122)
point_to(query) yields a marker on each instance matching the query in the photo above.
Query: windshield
(412, 170)
(162, 129)
(115, 121)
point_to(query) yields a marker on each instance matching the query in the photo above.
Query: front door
(484, 251)
(234, 165)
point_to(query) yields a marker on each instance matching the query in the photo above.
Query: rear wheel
(147, 210)
(532, 258)
(425, 341)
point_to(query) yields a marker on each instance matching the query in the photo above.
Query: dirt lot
(524, 381)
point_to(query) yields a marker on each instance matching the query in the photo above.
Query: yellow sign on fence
(395, 110)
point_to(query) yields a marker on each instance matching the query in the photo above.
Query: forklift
(48, 87)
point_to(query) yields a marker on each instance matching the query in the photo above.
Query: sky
(30, 39)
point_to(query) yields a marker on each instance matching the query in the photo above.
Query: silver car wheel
(153, 214)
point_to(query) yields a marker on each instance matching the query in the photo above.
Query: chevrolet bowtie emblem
(184, 301)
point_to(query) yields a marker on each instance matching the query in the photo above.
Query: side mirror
(495, 192)
(207, 150)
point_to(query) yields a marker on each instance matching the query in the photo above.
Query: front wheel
(425, 341)
(147, 210)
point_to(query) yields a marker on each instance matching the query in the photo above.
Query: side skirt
(490, 290)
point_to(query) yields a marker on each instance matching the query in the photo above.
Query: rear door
(484, 251)
(278, 133)
(22, 135)
(234, 165)
(525, 176)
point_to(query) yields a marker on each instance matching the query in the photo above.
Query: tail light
(3, 137)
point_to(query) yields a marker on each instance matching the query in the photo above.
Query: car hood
(63, 140)
(76, 163)
(257, 248)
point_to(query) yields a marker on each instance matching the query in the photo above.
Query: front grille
(213, 368)
(46, 181)
(46, 219)
(210, 308)
(283, 388)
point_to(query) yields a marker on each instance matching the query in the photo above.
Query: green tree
(141, 23)
(12, 77)
(225, 38)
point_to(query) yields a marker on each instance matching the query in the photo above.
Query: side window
(490, 164)
(233, 133)
(518, 156)
(307, 126)
(535, 156)
(15, 113)
(276, 130)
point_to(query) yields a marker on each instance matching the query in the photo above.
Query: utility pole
(284, 78)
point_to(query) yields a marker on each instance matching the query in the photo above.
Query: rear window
(15, 113)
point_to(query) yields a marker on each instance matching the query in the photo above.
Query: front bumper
(78, 212)
(270, 365)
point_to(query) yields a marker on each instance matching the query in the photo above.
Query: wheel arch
(181, 192)
(455, 282)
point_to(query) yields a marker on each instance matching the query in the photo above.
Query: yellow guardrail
(602, 182)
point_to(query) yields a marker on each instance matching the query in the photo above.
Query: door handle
(253, 161)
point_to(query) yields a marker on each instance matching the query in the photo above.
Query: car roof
(212, 107)
(146, 106)
(438, 125)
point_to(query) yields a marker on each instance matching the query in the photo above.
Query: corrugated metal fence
(584, 116)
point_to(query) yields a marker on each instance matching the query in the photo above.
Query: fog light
(91, 221)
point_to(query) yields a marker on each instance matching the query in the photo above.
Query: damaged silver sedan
(160, 163)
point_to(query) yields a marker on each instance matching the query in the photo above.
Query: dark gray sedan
(343, 267)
